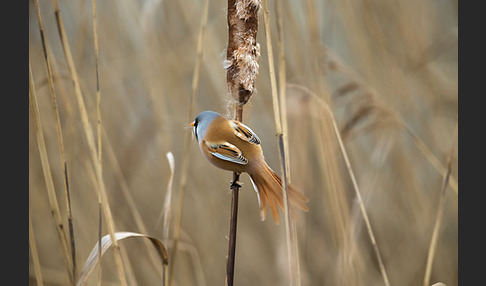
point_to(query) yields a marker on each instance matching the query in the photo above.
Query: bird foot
(235, 184)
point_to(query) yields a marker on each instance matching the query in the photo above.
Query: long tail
(268, 186)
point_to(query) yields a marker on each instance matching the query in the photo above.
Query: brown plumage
(233, 146)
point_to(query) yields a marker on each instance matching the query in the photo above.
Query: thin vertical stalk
(127, 194)
(361, 204)
(273, 80)
(230, 259)
(344, 154)
(35, 255)
(419, 143)
(98, 92)
(166, 210)
(59, 138)
(282, 81)
(51, 192)
(98, 112)
(440, 213)
(187, 140)
(294, 267)
(358, 194)
(91, 142)
(100, 235)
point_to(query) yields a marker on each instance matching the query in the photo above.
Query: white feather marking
(262, 216)
(240, 160)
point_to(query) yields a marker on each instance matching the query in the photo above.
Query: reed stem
(440, 213)
(91, 142)
(187, 140)
(279, 107)
(51, 192)
(60, 140)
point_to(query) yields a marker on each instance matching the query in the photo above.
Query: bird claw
(235, 184)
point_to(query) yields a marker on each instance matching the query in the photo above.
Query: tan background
(379, 64)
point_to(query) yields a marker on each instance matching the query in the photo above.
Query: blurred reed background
(387, 70)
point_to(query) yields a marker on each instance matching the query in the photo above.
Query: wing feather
(226, 151)
(244, 132)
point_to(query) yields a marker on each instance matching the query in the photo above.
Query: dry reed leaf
(51, 192)
(88, 132)
(35, 255)
(166, 210)
(357, 191)
(440, 211)
(187, 138)
(371, 105)
(106, 243)
(279, 107)
(62, 155)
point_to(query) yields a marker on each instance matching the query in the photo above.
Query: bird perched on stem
(231, 145)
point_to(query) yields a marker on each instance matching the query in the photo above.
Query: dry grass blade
(360, 200)
(98, 92)
(35, 255)
(371, 235)
(196, 260)
(90, 138)
(98, 112)
(166, 210)
(273, 80)
(106, 243)
(282, 81)
(127, 194)
(292, 256)
(187, 138)
(440, 212)
(55, 109)
(431, 157)
(34, 107)
(335, 64)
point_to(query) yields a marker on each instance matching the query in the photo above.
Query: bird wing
(225, 151)
(244, 132)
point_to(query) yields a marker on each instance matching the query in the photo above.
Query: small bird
(231, 145)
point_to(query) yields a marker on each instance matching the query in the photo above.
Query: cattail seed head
(243, 51)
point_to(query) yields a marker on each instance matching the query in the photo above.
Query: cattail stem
(230, 259)
(241, 66)
(235, 192)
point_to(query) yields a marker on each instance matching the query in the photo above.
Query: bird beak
(192, 123)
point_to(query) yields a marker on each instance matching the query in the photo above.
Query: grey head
(202, 122)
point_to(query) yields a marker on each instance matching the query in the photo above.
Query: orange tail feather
(268, 186)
